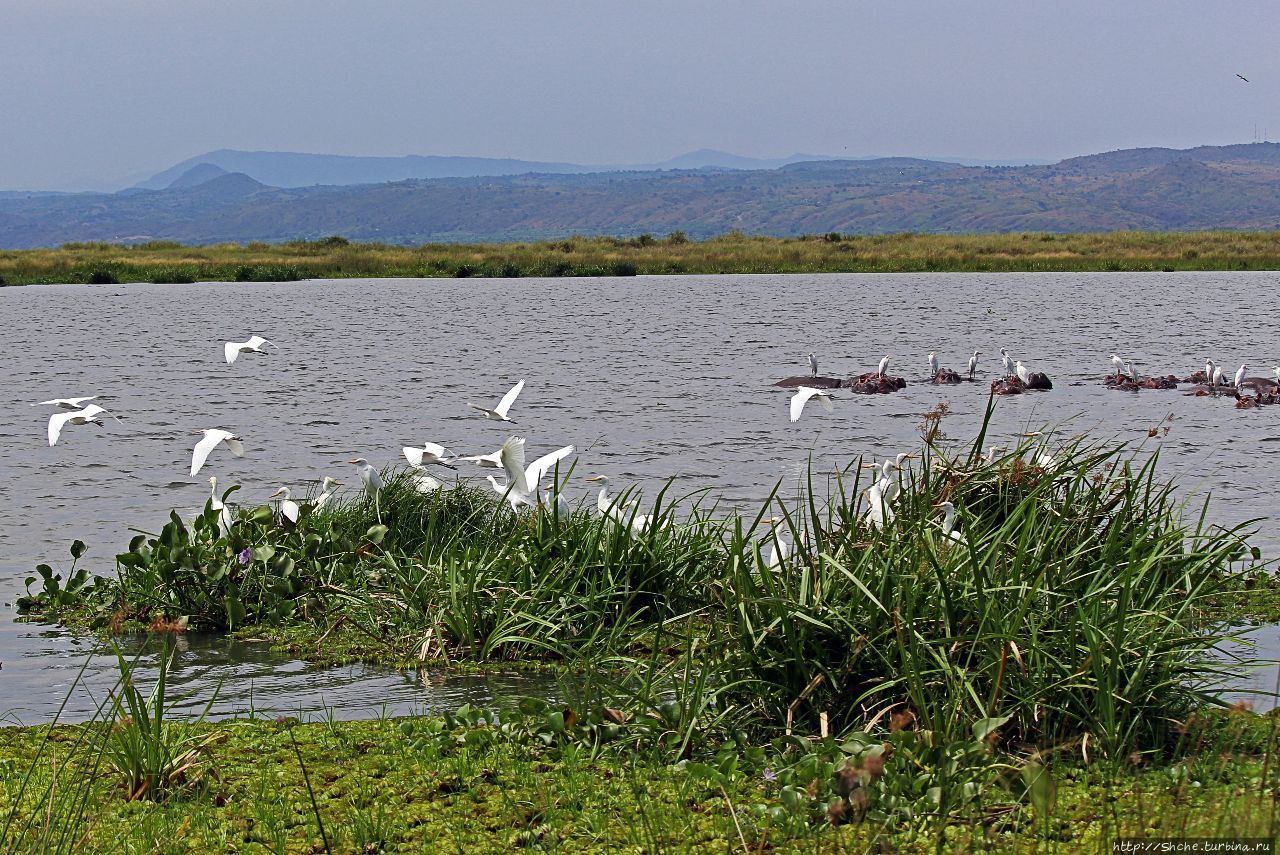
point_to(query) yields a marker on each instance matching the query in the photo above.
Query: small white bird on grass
(499, 413)
(949, 523)
(67, 403)
(430, 453)
(616, 510)
(373, 484)
(328, 487)
(225, 520)
(232, 349)
(91, 414)
(802, 396)
(213, 436)
(973, 363)
(289, 509)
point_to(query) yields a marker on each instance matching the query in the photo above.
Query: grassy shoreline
(843, 670)
(337, 258)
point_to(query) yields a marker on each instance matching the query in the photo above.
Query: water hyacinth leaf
(261, 515)
(235, 611)
(78, 548)
(375, 534)
(264, 553)
(982, 728)
(1041, 788)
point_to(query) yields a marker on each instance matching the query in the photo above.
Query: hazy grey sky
(96, 91)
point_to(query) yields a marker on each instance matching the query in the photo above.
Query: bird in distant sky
(1242, 77)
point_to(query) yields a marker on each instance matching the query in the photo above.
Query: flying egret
(1007, 361)
(499, 412)
(372, 480)
(225, 520)
(429, 453)
(1240, 372)
(289, 509)
(802, 396)
(91, 414)
(884, 364)
(813, 365)
(1118, 364)
(328, 487)
(526, 481)
(67, 403)
(973, 363)
(210, 440)
(232, 349)
(1023, 374)
(933, 364)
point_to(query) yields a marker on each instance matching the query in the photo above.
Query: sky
(97, 94)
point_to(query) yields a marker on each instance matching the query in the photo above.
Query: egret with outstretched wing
(210, 440)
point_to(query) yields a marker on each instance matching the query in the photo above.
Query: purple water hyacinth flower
(769, 776)
(245, 556)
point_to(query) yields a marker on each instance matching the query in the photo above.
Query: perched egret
(1007, 361)
(1276, 369)
(933, 364)
(289, 509)
(424, 483)
(989, 456)
(328, 487)
(429, 453)
(884, 365)
(1133, 372)
(802, 396)
(1118, 364)
(91, 414)
(878, 510)
(499, 412)
(232, 349)
(609, 507)
(973, 363)
(372, 480)
(1218, 379)
(1240, 372)
(949, 522)
(210, 440)
(225, 520)
(1023, 374)
(1208, 371)
(813, 365)
(779, 549)
(67, 403)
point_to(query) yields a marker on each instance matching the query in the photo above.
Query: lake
(650, 377)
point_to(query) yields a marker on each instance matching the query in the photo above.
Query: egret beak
(1034, 433)
(357, 460)
(912, 457)
(596, 478)
(276, 493)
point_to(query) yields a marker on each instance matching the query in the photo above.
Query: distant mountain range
(1210, 187)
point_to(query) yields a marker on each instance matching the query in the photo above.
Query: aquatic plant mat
(981, 648)
(735, 252)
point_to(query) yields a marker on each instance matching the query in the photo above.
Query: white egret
(373, 483)
(949, 522)
(801, 397)
(1208, 371)
(884, 364)
(813, 365)
(609, 507)
(486, 461)
(91, 414)
(526, 481)
(1218, 379)
(510, 493)
(67, 403)
(779, 549)
(210, 440)
(878, 510)
(430, 453)
(1133, 372)
(973, 363)
(232, 349)
(989, 456)
(225, 520)
(1118, 364)
(1276, 369)
(424, 483)
(1007, 361)
(1023, 373)
(289, 509)
(1240, 372)
(499, 412)
(328, 487)
(933, 364)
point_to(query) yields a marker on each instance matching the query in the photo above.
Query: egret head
(329, 483)
(359, 461)
(283, 491)
(598, 479)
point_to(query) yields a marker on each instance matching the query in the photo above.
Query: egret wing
(231, 350)
(537, 469)
(508, 399)
(435, 449)
(235, 446)
(512, 457)
(56, 422)
(201, 452)
(413, 455)
(800, 398)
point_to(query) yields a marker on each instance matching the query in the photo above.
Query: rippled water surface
(648, 377)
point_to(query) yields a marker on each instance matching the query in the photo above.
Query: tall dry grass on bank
(335, 257)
